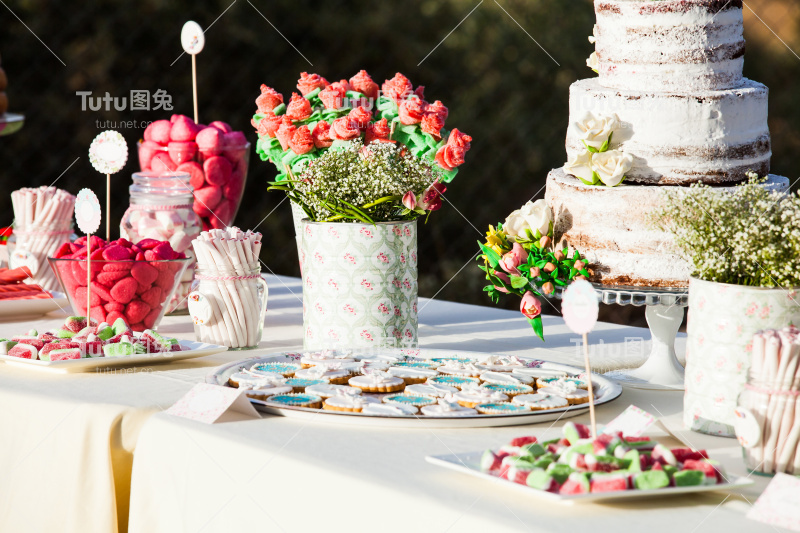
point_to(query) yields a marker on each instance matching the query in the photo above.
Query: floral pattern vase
(722, 320)
(359, 284)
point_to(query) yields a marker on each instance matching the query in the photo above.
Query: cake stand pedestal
(664, 312)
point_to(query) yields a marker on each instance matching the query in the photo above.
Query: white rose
(538, 215)
(580, 166)
(515, 225)
(593, 62)
(596, 130)
(611, 166)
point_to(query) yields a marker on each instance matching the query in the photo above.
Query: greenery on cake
(378, 182)
(519, 258)
(750, 236)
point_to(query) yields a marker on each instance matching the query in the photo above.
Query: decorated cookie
(377, 382)
(454, 368)
(353, 403)
(506, 378)
(285, 369)
(385, 409)
(501, 408)
(432, 390)
(265, 391)
(500, 363)
(454, 381)
(330, 373)
(448, 408)
(407, 399)
(508, 389)
(326, 390)
(297, 400)
(546, 382)
(248, 379)
(540, 402)
(412, 375)
(472, 395)
(567, 390)
(301, 385)
(324, 356)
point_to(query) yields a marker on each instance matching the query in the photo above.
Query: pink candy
(218, 170)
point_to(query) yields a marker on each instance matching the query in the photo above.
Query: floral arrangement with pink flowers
(519, 258)
(326, 116)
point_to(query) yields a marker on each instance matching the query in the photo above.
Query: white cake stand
(664, 313)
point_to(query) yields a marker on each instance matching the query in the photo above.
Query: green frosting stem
(313, 93)
(279, 109)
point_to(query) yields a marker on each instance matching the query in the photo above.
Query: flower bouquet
(519, 258)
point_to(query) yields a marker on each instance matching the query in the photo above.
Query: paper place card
(211, 403)
(779, 504)
(633, 422)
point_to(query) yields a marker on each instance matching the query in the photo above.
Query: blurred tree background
(501, 86)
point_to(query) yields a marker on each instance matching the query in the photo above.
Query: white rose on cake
(593, 62)
(580, 166)
(596, 130)
(611, 166)
(534, 216)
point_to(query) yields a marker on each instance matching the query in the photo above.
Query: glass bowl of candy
(136, 290)
(215, 156)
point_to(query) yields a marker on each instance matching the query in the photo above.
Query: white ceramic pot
(359, 284)
(721, 322)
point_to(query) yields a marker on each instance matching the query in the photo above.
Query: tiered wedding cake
(670, 92)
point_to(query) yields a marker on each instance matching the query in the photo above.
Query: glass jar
(228, 305)
(161, 209)
(767, 424)
(32, 246)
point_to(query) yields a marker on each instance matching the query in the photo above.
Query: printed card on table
(211, 403)
(779, 504)
(633, 422)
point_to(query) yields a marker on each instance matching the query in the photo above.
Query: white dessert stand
(664, 313)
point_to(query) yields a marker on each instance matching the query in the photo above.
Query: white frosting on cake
(671, 45)
(708, 136)
(609, 226)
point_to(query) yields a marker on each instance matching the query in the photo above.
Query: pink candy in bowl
(129, 281)
(214, 156)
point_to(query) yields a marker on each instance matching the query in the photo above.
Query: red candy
(158, 131)
(224, 127)
(124, 290)
(162, 163)
(144, 274)
(218, 170)
(136, 311)
(196, 177)
(183, 129)
(208, 198)
(181, 151)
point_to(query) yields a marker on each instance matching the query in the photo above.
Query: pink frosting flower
(411, 111)
(299, 108)
(437, 108)
(309, 82)
(513, 259)
(530, 306)
(397, 88)
(321, 135)
(459, 139)
(432, 197)
(363, 83)
(432, 124)
(268, 125)
(344, 129)
(285, 132)
(360, 117)
(378, 131)
(504, 278)
(268, 100)
(332, 96)
(302, 141)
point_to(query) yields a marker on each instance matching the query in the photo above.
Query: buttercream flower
(432, 197)
(410, 200)
(596, 130)
(449, 157)
(611, 166)
(459, 139)
(411, 111)
(580, 166)
(302, 142)
(432, 124)
(378, 131)
(515, 224)
(360, 117)
(593, 62)
(321, 135)
(397, 88)
(437, 108)
(332, 96)
(268, 100)
(299, 108)
(268, 124)
(495, 240)
(534, 216)
(363, 83)
(309, 82)
(285, 132)
(513, 259)
(344, 129)
(530, 306)
(342, 85)
(504, 278)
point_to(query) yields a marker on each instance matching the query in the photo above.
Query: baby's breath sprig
(750, 236)
(365, 183)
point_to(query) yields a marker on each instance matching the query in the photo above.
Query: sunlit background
(504, 72)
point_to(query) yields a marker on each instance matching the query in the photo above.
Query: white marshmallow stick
(220, 327)
(230, 316)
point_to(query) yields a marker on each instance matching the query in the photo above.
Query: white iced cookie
(264, 392)
(325, 356)
(246, 379)
(385, 409)
(412, 372)
(566, 389)
(540, 402)
(432, 390)
(536, 373)
(455, 368)
(448, 407)
(325, 372)
(505, 378)
(500, 363)
(326, 390)
(471, 395)
(348, 402)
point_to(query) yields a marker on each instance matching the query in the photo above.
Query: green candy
(543, 461)
(688, 478)
(635, 464)
(582, 448)
(158, 338)
(6, 345)
(139, 349)
(65, 334)
(33, 333)
(652, 479)
(539, 479)
(534, 449)
(119, 349)
(119, 326)
(560, 472)
(670, 470)
(571, 433)
(105, 333)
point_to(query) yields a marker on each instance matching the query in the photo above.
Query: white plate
(469, 463)
(192, 350)
(605, 389)
(24, 309)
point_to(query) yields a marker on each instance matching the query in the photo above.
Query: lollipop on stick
(108, 154)
(193, 40)
(580, 309)
(87, 215)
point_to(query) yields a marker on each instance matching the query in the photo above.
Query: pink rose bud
(549, 267)
(535, 272)
(410, 200)
(548, 288)
(530, 306)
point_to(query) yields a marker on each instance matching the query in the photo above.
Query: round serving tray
(606, 391)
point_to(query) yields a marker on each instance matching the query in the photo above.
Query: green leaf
(560, 282)
(536, 324)
(491, 255)
(590, 148)
(518, 282)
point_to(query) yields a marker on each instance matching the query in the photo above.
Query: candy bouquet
(519, 258)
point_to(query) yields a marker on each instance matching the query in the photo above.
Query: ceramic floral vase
(722, 320)
(359, 284)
